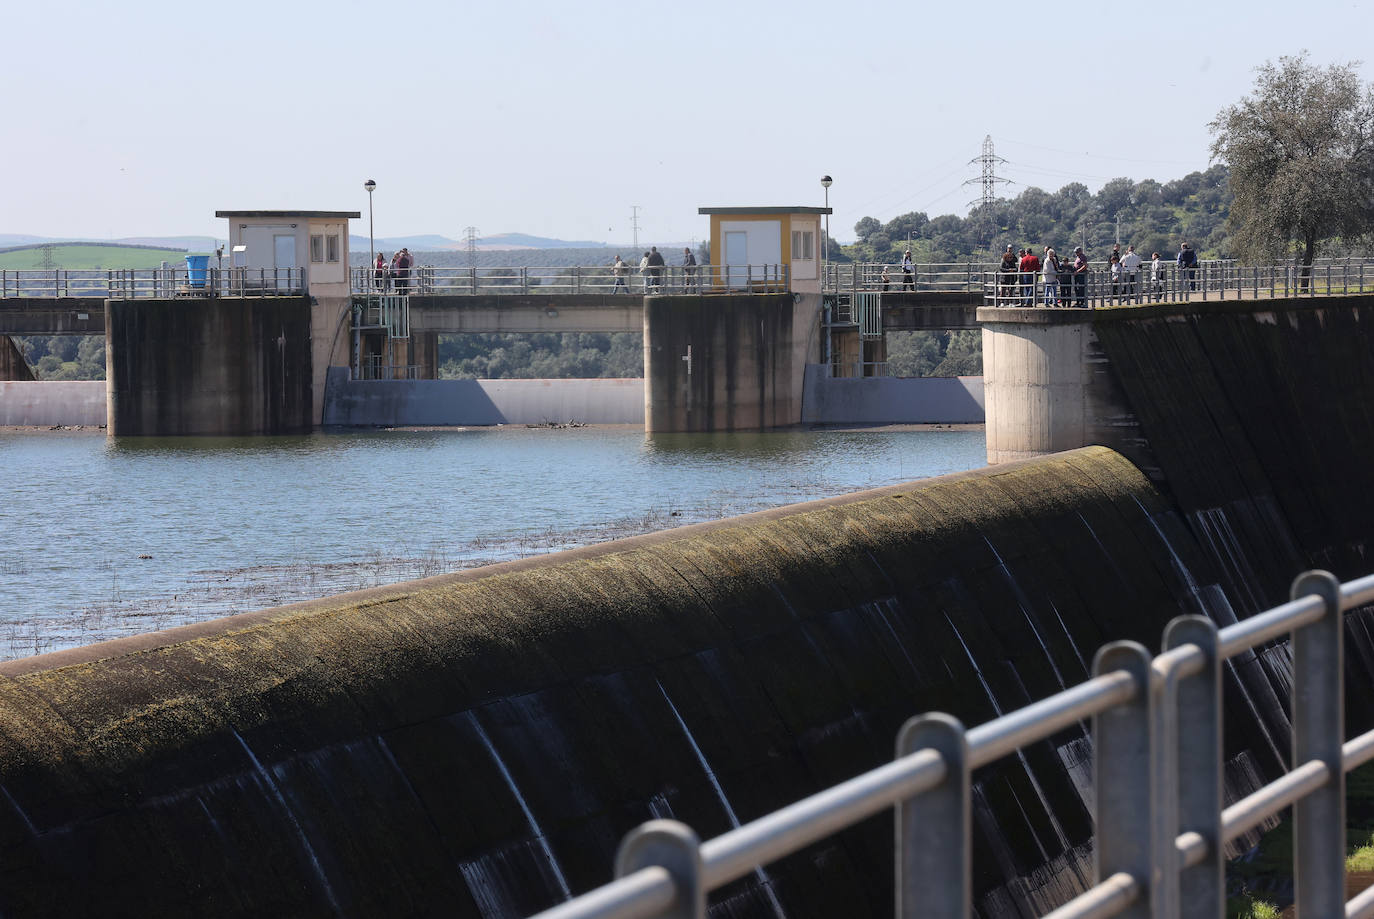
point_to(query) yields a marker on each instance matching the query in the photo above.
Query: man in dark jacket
(655, 268)
(1187, 263)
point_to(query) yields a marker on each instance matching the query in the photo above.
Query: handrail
(432, 280)
(141, 283)
(1212, 277)
(1161, 703)
(1098, 287)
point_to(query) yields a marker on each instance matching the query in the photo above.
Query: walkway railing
(851, 277)
(131, 283)
(1219, 276)
(1157, 728)
(575, 279)
(1097, 287)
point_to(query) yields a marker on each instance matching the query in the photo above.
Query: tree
(1301, 160)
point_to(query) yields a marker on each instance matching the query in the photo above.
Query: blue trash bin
(197, 267)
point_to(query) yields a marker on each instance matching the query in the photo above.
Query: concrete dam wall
(475, 744)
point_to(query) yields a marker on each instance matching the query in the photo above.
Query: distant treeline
(541, 356)
(1153, 217)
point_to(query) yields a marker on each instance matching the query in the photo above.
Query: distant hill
(193, 243)
(525, 241)
(18, 239)
(499, 242)
(89, 256)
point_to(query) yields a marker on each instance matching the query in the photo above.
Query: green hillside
(81, 256)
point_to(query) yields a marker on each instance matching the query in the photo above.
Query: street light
(371, 186)
(825, 252)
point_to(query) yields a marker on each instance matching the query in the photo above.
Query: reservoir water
(103, 537)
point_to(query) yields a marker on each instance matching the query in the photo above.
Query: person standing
(380, 272)
(1007, 271)
(1080, 277)
(396, 283)
(406, 263)
(885, 278)
(1051, 277)
(656, 268)
(689, 270)
(908, 272)
(644, 270)
(1187, 264)
(1130, 271)
(1030, 267)
(1114, 270)
(619, 269)
(1156, 277)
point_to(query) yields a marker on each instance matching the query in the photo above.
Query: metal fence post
(1198, 892)
(676, 848)
(1318, 732)
(934, 829)
(1121, 776)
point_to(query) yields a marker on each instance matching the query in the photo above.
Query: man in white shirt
(1130, 270)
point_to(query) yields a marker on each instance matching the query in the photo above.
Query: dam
(477, 743)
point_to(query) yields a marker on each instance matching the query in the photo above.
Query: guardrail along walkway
(1157, 782)
(155, 283)
(573, 279)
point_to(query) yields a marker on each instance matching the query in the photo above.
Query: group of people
(1065, 282)
(395, 274)
(651, 266)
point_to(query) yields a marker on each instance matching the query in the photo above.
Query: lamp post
(825, 252)
(371, 186)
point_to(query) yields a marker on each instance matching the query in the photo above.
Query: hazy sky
(143, 118)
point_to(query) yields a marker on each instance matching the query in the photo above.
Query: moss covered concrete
(468, 745)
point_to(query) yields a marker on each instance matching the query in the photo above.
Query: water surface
(108, 537)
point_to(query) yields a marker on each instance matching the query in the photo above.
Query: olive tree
(1299, 149)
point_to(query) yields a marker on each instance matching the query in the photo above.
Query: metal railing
(1221, 275)
(131, 283)
(877, 276)
(376, 367)
(575, 279)
(1157, 786)
(1098, 287)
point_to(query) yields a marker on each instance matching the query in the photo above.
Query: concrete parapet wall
(52, 316)
(474, 745)
(53, 402)
(526, 313)
(224, 366)
(480, 402)
(890, 400)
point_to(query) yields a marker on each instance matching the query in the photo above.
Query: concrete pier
(220, 366)
(727, 363)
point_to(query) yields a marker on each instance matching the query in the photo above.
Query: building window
(317, 248)
(333, 247)
(803, 244)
